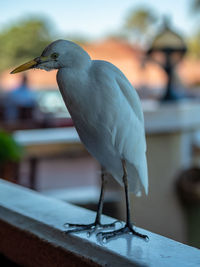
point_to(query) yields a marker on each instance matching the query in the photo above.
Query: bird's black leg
(91, 228)
(128, 228)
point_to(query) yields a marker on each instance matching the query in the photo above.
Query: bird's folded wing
(128, 135)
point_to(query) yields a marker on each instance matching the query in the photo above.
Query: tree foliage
(139, 21)
(194, 39)
(194, 45)
(196, 6)
(23, 41)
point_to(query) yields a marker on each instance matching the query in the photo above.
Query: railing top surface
(22, 207)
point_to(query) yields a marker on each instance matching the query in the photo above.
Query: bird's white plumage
(106, 111)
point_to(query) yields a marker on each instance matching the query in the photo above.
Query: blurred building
(125, 56)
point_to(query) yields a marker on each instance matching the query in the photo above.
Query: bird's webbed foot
(128, 228)
(90, 228)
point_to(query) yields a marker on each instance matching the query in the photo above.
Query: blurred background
(157, 46)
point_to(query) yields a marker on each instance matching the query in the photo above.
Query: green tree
(194, 45)
(195, 6)
(22, 41)
(139, 22)
(194, 40)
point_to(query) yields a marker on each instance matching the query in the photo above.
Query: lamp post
(172, 48)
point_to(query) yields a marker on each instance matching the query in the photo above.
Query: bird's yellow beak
(30, 64)
(26, 66)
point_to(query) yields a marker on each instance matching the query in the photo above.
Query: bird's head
(59, 54)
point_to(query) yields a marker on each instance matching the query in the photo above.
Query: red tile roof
(37, 79)
(120, 53)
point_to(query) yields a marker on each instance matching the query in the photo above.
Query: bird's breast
(79, 97)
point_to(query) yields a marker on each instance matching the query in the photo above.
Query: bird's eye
(54, 55)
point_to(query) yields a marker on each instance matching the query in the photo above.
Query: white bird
(108, 117)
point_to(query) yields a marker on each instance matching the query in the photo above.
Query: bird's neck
(74, 90)
(72, 81)
(78, 60)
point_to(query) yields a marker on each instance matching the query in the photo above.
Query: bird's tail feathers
(138, 178)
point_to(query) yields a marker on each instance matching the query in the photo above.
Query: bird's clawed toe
(111, 225)
(90, 228)
(127, 229)
(75, 228)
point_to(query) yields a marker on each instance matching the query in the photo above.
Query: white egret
(107, 114)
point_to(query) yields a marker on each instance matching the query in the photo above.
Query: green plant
(10, 151)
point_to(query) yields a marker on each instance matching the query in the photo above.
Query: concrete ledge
(31, 234)
(171, 117)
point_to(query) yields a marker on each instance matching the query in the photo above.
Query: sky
(94, 18)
